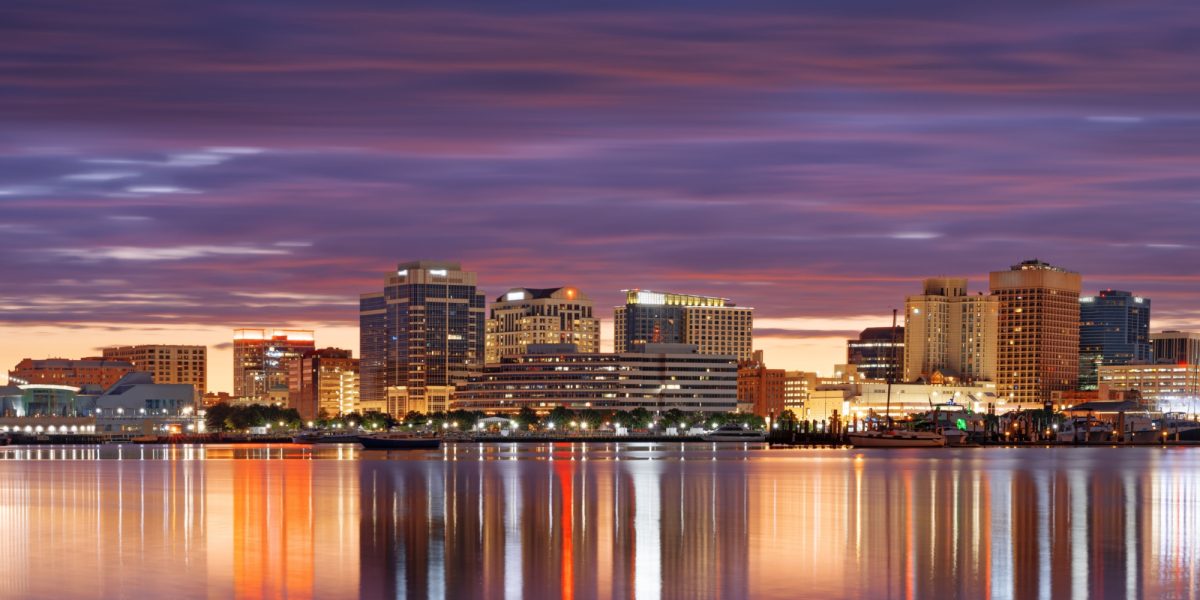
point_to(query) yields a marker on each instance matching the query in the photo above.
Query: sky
(170, 171)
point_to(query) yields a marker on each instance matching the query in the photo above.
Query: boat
(398, 441)
(730, 432)
(319, 437)
(1142, 429)
(896, 438)
(1084, 430)
(891, 437)
(145, 439)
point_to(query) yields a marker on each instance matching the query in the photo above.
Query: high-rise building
(64, 371)
(421, 336)
(1037, 332)
(949, 332)
(762, 388)
(1177, 347)
(324, 383)
(524, 316)
(167, 363)
(656, 377)
(714, 325)
(1114, 329)
(262, 360)
(878, 353)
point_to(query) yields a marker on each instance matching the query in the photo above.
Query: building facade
(656, 377)
(1171, 387)
(1037, 332)
(1114, 329)
(167, 363)
(949, 332)
(763, 389)
(324, 383)
(262, 361)
(863, 400)
(714, 325)
(878, 353)
(69, 372)
(1176, 347)
(524, 316)
(796, 387)
(421, 336)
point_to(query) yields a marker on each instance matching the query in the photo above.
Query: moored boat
(734, 433)
(398, 441)
(896, 438)
(317, 437)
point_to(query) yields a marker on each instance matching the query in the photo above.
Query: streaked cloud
(135, 253)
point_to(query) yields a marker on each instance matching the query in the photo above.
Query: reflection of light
(647, 534)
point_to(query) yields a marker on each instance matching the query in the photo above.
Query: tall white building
(949, 332)
(715, 325)
(524, 316)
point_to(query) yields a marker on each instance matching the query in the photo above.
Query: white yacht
(730, 432)
(896, 438)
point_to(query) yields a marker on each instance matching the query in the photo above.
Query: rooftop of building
(73, 363)
(521, 293)
(1037, 265)
(426, 265)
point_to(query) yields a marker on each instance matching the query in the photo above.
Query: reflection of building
(324, 383)
(1179, 347)
(420, 336)
(878, 352)
(657, 377)
(167, 364)
(1114, 329)
(949, 332)
(524, 316)
(763, 389)
(714, 325)
(1168, 386)
(64, 371)
(1037, 331)
(262, 359)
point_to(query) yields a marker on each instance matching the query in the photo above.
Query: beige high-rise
(167, 363)
(1038, 331)
(524, 316)
(949, 332)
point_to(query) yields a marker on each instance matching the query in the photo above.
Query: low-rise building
(1171, 387)
(656, 377)
(858, 401)
(70, 372)
(763, 390)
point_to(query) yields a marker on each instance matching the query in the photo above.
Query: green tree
(526, 418)
(560, 417)
(415, 418)
(640, 418)
(217, 416)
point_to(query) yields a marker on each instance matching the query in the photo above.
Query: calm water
(569, 521)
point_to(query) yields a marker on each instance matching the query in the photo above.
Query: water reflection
(575, 521)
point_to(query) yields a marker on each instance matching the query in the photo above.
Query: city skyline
(205, 171)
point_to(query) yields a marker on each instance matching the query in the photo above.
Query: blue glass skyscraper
(1114, 329)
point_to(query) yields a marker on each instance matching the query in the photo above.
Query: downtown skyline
(224, 167)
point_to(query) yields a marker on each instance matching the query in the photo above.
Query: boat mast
(891, 373)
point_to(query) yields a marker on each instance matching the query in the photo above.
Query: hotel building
(714, 325)
(167, 363)
(1114, 329)
(657, 377)
(1037, 332)
(262, 360)
(950, 333)
(878, 353)
(421, 336)
(524, 316)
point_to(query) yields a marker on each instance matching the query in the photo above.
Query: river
(598, 521)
